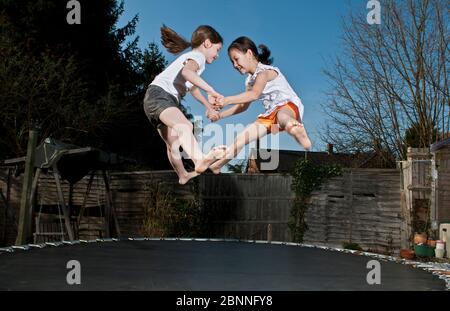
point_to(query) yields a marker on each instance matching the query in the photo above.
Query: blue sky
(302, 34)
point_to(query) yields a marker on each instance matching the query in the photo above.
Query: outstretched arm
(197, 94)
(249, 95)
(189, 73)
(236, 109)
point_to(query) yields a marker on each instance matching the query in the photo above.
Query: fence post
(23, 232)
(269, 233)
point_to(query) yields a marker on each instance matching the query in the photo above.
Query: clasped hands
(216, 101)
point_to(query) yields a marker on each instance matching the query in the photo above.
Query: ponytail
(264, 55)
(172, 41)
(175, 44)
(244, 44)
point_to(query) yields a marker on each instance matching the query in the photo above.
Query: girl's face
(212, 51)
(242, 62)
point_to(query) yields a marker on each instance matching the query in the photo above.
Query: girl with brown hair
(163, 96)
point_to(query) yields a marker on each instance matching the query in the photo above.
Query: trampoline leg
(63, 205)
(37, 174)
(110, 213)
(88, 190)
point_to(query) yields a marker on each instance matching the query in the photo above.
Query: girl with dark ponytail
(283, 108)
(163, 96)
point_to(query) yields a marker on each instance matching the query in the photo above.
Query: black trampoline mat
(204, 266)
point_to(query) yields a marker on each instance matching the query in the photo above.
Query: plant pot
(424, 251)
(407, 254)
(420, 238)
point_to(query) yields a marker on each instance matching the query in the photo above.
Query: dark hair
(175, 44)
(244, 44)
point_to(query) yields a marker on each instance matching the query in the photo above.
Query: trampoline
(202, 265)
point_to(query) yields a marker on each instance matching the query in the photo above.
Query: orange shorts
(271, 120)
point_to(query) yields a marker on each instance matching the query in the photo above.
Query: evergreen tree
(83, 84)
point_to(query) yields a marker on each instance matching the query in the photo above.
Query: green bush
(166, 215)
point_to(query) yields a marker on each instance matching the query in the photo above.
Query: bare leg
(174, 154)
(286, 120)
(251, 133)
(175, 119)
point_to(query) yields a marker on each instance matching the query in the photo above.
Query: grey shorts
(156, 101)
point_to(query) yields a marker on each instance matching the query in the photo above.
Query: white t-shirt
(171, 79)
(276, 93)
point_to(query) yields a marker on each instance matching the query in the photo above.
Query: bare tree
(394, 77)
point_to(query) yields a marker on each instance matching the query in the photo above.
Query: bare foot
(184, 179)
(213, 155)
(299, 132)
(215, 170)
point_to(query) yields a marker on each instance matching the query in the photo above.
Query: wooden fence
(441, 205)
(243, 206)
(362, 206)
(130, 192)
(10, 190)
